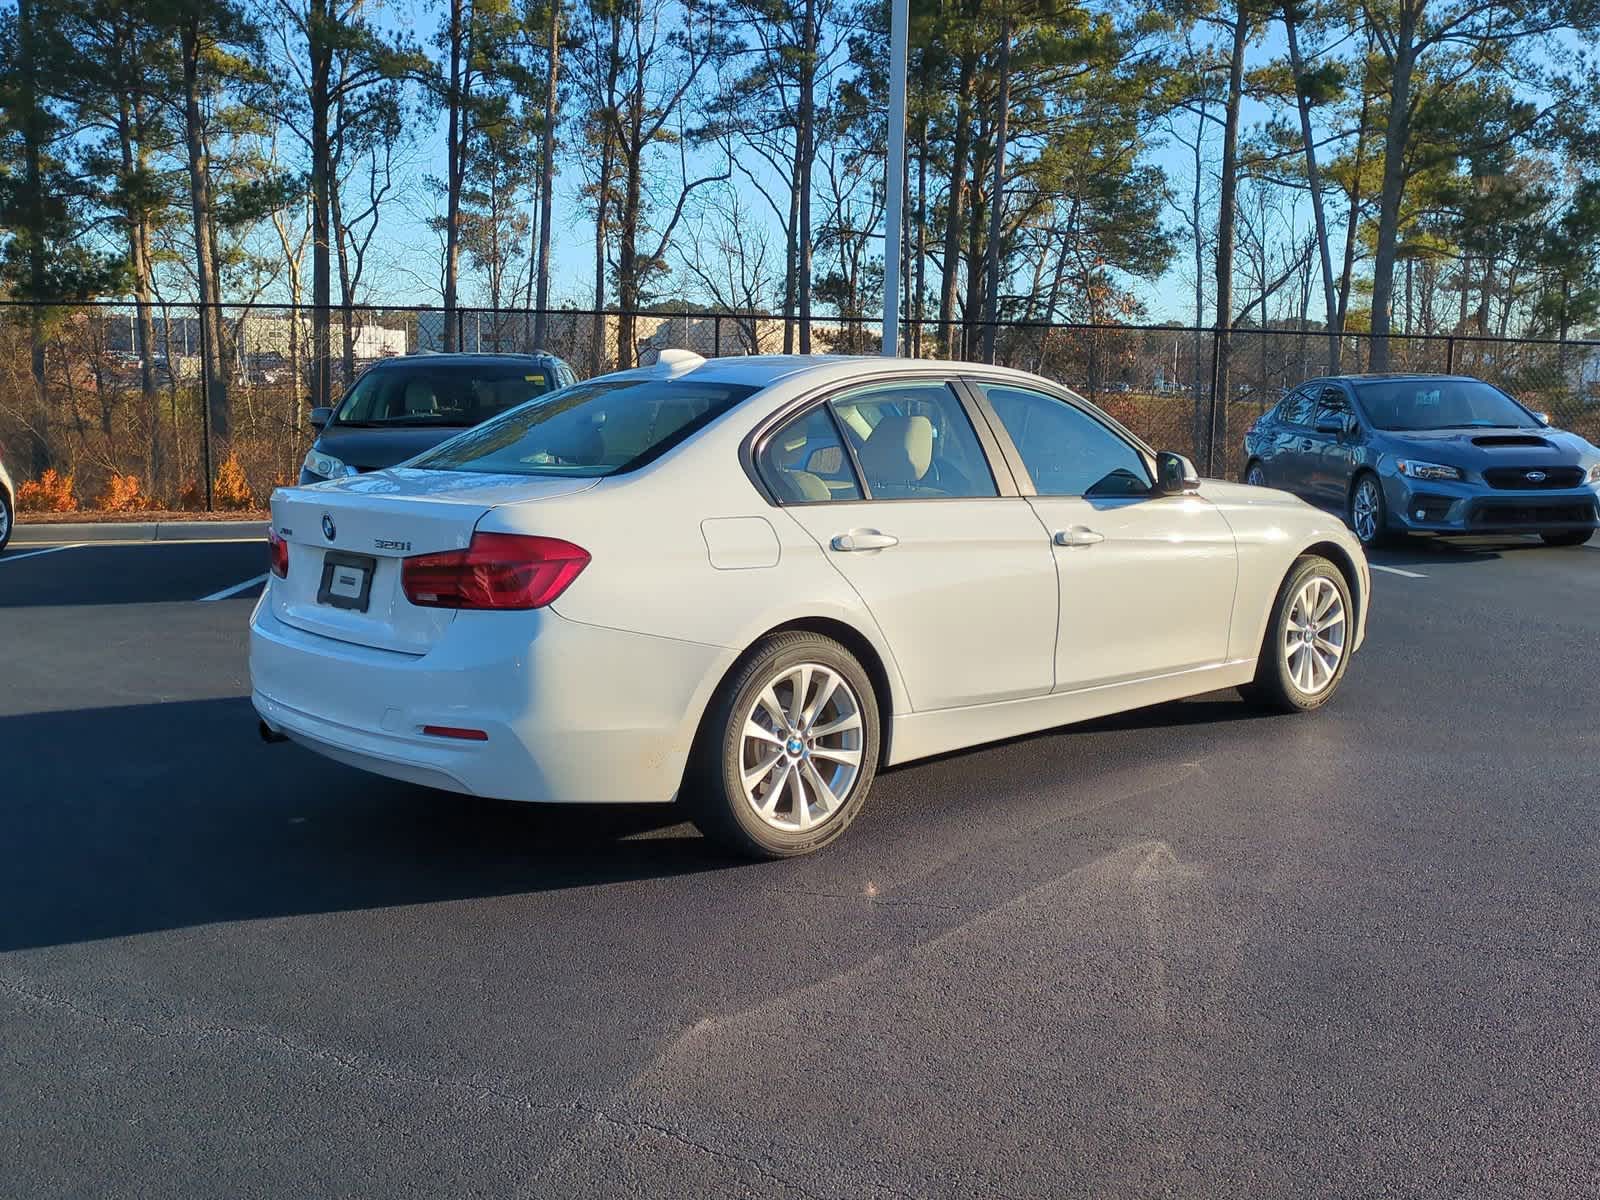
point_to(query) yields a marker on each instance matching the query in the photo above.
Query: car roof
(763, 370)
(461, 359)
(1394, 377)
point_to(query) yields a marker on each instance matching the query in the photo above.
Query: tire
(1567, 537)
(1288, 679)
(7, 519)
(1255, 474)
(767, 819)
(1366, 487)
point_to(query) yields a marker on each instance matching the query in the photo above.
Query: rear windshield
(590, 429)
(448, 394)
(1415, 404)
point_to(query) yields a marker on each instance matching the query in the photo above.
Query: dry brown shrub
(51, 492)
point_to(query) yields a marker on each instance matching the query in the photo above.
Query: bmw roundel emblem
(1535, 476)
(328, 527)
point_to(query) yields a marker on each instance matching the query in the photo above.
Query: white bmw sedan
(750, 583)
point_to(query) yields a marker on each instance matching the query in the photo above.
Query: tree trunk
(130, 122)
(1397, 138)
(1314, 182)
(920, 286)
(33, 147)
(547, 175)
(791, 264)
(629, 269)
(320, 53)
(960, 147)
(455, 169)
(346, 289)
(1227, 210)
(808, 109)
(212, 366)
(997, 195)
(977, 219)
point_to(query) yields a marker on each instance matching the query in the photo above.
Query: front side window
(446, 394)
(914, 442)
(805, 462)
(1333, 403)
(601, 427)
(1415, 404)
(1066, 451)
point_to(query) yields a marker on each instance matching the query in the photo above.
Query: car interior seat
(897, 455)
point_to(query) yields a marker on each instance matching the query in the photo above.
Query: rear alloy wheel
(1369, 516)
(5, 519)
(789, 750)
(1255, 476)
(1564, 537)
(1304, 655)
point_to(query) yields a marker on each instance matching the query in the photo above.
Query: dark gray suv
(1442, 454)
(400, 407)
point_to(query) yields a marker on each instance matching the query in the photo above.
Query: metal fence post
(716, 336)
(1450, 356)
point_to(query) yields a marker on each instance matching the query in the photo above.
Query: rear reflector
(498, 570)
(450, 731)
(277, 554)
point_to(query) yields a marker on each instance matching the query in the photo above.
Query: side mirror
(1175, 474)
(320, 418)
(1329, 422)
(1542, 418)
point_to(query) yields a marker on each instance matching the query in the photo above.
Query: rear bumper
(573, 713)
(1469, 508)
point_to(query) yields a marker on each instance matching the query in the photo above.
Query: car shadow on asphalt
(1423, 552)
(157, 816)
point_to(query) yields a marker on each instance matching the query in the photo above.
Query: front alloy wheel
(5, 519)
(785, 757)
(1304, 655)
(1255, 476)
(1367, 515)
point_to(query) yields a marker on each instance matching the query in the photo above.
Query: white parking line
(235, 589)
(9, 558)
(1397, 571)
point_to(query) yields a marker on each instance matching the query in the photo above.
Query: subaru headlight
(326, 465)
(1594, 473)
(1413, 469)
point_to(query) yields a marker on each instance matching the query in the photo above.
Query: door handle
(863, 539)
(1078, 535)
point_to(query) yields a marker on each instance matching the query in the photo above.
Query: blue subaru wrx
(1441, 454)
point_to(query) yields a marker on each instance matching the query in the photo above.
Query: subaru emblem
(328, 527)
(1535, 477)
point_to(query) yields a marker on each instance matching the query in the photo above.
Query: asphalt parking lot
(1192, 951)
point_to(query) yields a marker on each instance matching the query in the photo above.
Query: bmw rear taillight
(277, 554)
(498, 570)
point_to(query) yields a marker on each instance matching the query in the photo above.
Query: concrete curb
(50, 533)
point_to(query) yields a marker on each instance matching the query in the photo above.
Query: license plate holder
(347, 580)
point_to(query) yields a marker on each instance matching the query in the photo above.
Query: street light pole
(894, 183)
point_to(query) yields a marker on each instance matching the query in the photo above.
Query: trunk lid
(347, 540)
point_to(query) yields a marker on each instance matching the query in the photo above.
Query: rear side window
(914, 442)
(601, 427)
(805, 462)
(442, 394)
(1295, 409)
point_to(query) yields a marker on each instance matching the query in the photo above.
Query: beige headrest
(899, 450)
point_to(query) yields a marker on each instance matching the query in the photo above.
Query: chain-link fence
(121, 407)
